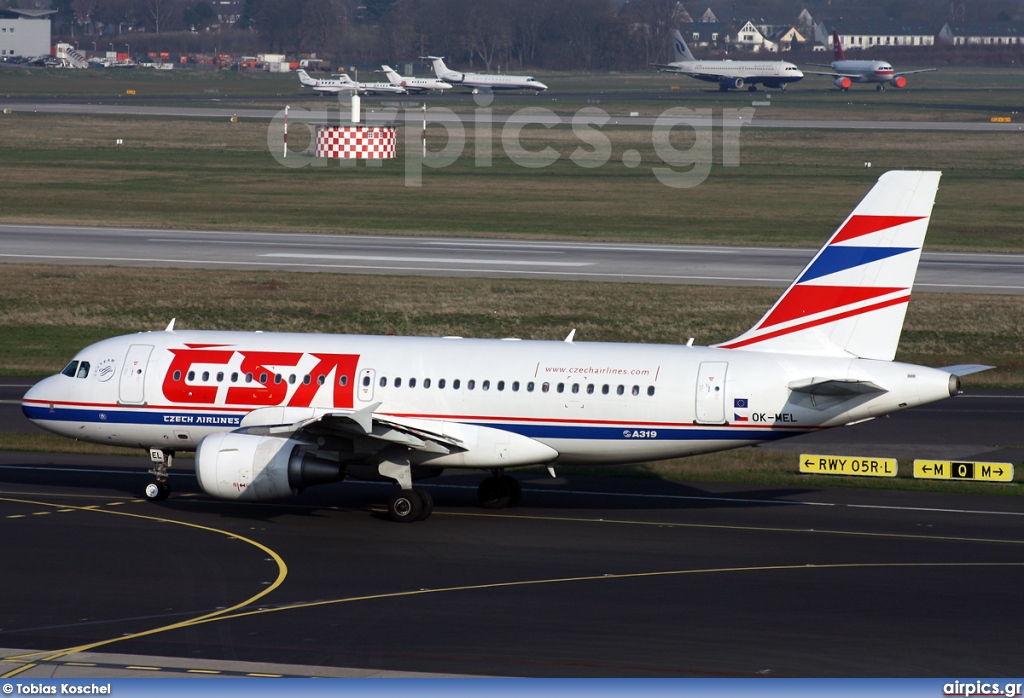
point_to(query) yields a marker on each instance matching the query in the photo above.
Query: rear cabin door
(132, 390)
(711, 392)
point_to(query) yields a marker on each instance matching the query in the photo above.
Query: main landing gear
(880, 88)
(157, 489)
(499, 491)
(406, 504)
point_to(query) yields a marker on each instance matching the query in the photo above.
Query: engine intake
(843, 83)
(247, 467)
(734, 83)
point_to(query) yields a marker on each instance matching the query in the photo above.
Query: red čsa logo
(260, 381)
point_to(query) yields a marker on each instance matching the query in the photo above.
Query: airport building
(24, 33)
(1008, 34)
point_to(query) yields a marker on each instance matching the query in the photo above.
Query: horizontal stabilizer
(834, 386)
(966, 369)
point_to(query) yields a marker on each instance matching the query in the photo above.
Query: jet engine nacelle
(454, 77)
(247, 467)
(900, 82)
(843, 83)
(734, 83)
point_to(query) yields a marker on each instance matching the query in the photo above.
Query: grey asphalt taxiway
(441, 256)
(587, 577)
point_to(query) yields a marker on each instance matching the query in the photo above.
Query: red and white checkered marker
(362, 142)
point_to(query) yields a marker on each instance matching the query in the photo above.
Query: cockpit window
(83, 369)
(70, 370)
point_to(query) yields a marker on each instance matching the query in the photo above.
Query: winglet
(170, 325)
(568, 340)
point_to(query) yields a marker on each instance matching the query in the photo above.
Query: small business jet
(730, 75)
(343, 83)
(270, 414)
(414, 84)
(848, 72)
(479, 81)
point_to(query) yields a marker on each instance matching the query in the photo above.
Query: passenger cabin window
(291, 379)
(278, 378)
(206, 376)
(307, 379)
(248, 377)
(191, 376)
(366, 381)
(604, 389)
(398, 382)
(440, 384)
(590, 389)
(544, 387)
(620, 390)
(575, 387)
(529, 387)
(515, 386)
(426, 382)
(177, 376)
(220, 376)
(412, 382)
(263, 378)
(456, 383)
(70, 370)
(636, 390)
(383, 382)
(486, 385)
(471, 384)
(650, 390)
(321, 379)
(234, 377)
(343, 381)
(501, 385)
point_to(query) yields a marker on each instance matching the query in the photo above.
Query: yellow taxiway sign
(848, 465)
(956, 470)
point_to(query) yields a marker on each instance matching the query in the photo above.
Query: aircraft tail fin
(852, 297)
(304, 77)
(837, 47)
(438, 63)
(393, 77)
(682, 51)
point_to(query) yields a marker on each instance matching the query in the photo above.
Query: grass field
(47, 313)
(791, 187)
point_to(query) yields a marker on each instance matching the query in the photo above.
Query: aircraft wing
(911, 72)
(664, 67)
(852, 76)
(374, 432)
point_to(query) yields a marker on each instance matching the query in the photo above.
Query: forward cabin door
(711, 392)
(132, 390)
(364, 389)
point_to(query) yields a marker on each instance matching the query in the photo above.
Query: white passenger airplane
(271, 413)
(479, 81)
(848, 72)
(343, 83)
(414, 84)
(730, 74)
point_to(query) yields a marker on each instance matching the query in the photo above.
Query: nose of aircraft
(34, 403)
(537, 84)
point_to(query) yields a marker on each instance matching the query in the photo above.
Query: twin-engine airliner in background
(414, 85)
(343, 83)
(730, 74)
(848, 72)
(478, 81)
(271, 413)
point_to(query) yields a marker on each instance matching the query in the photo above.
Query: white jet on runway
(479, 81)
(272, 413)
(730, 74)
(343, 83)
(414, 84)
(847, 72)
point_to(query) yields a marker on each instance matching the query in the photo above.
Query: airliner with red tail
(272, 413)
(847, 72)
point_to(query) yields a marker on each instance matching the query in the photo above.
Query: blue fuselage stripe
(533, 431)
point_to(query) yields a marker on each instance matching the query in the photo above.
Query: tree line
(506, 35)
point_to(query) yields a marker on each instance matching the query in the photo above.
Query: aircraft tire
(427, 500)
(493, 493)
(156, 491)
(515, 491)
(405, 506)
(880, 88)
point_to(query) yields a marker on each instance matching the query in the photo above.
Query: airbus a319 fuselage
(273, 413)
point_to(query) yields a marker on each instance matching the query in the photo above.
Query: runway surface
(430, 256)
(588, 577)
(412, 114)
